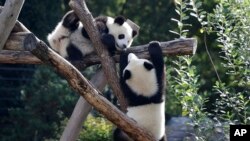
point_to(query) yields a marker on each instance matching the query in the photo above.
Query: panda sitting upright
(72, 42)
(143, 82)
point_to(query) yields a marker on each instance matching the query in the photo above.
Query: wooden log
(170, 48)
(18, 57)
(8, 17)
(82, 110)
(15, 41)
(19, 27)
(108, 64)
(82, 86)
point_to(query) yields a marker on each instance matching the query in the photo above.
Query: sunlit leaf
(174, 32)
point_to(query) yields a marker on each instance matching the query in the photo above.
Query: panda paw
(71, 21)
(109, 41)
(124, 55)
(123, 61)
(154, 47)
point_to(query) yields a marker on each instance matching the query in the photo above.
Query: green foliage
(230, 21)
(96, 129)
(193, 88)
(42, 16)
(46, 101)
(185, 80)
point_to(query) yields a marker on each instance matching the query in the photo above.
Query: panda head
(140, 76)
(123, 30)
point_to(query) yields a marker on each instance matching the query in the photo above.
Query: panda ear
(134, 26)
(148, 66)
(120, 20)
(134, 33)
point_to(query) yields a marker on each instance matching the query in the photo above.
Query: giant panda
(72, 42)
(143, 82)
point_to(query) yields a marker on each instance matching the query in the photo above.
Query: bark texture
(8, 17)
(108, 64)
(82, 86)
(81, 110)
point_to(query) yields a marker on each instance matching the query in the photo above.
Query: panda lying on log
(72, 42)
(143, 84)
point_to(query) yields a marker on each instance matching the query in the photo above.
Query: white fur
(59, 39)
(142, 82)
(115, 30)
(83, 44)
(151, 117)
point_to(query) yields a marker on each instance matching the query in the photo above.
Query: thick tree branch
(8, 17)
(18, 57)
(15, 42)
(108, 64)
(19, 27)
(81, 86)
(177, 47)
(82, 110)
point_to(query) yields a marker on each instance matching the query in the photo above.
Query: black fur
(120, 135)
(70, 21)
(74, 53)
(134, 33)
(109, 41)
(148, 66)
(127, 75)
(85, 34)
(120, 20)
(134, 99)
(158, 63)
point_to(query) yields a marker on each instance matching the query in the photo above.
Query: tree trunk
(81, 110)
(8, 17)
(82, 86)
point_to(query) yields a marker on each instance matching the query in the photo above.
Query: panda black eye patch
(121, 36)
(148, 66)
(127, 74)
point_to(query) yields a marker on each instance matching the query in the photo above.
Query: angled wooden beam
(8, 16)
(81, 110)
(15, 54)
(108, 64)
(82, 86)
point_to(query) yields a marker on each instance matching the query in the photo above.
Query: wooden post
(108, 64)
(8, 17)
(82, 110)
(77, 81)
(82, 86)
(16, 55)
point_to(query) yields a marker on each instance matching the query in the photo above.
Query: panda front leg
(119, 135)
(70, 21)
(59, 38)
(109, 41)
(156, 56)
(123, 62)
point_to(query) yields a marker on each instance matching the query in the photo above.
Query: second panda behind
(71, 41)
(143, 84)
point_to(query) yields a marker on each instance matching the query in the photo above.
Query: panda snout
(124, 46)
